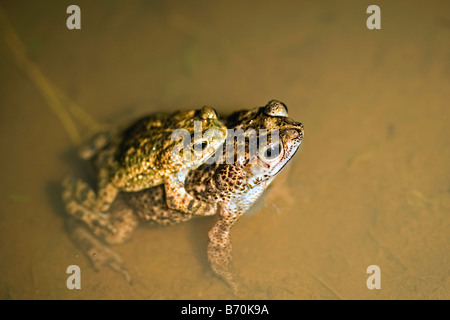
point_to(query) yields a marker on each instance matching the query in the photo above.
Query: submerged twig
(55, 98)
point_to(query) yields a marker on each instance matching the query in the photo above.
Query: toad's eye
(200, 146)
(271, 152)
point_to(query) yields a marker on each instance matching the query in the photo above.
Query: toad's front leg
(219, 248)
(177, 197)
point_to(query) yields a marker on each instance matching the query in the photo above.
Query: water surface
(370, 186)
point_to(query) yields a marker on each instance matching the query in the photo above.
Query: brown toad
(234, 181)
(145, 154)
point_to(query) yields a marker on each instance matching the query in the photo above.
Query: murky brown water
(371, 184)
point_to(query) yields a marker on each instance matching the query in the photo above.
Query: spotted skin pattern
(140, 157)
(234, 187)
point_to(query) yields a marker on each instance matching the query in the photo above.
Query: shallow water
(370, 186)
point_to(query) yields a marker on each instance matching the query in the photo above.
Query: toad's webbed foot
(220, 259)
(99, 254)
